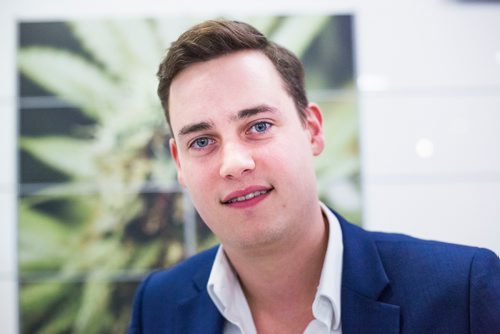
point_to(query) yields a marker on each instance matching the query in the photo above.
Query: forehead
(224, 85)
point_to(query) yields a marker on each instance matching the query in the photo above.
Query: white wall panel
(8, 131)
(8, 235)
(8, 306)
(429, 73)
(461, 132)
(465, 213)
(428, 44)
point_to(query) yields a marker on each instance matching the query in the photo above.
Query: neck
(268, 275)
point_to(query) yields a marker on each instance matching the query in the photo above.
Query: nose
(236, 161)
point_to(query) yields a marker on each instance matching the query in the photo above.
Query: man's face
(242, 151)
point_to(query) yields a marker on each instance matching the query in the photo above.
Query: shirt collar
(329, 289)
(225, 291)
(221, 281)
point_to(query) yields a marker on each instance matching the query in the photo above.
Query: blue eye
(202, 142)
(261, 127)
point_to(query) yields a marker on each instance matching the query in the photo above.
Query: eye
(260, 127)
(200, 143)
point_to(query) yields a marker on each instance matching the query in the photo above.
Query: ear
(314, 124)
(175, 154)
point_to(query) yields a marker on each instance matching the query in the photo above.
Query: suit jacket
(391, 283)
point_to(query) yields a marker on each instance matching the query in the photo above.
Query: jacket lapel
(197, 313)
(364, 315)
(364, 282)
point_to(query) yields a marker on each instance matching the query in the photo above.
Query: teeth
(247, 197)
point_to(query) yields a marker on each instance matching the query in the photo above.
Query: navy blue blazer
(391, 283)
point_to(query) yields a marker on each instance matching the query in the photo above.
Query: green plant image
(99, 206)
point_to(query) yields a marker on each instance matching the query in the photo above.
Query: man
(244, 138)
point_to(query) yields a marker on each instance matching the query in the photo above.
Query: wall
(429, 77)
(429, 94)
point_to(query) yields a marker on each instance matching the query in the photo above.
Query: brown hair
(215, 38)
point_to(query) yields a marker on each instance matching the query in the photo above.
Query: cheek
(291, 152)
(200, 181)
(196, 177)
(294, 162)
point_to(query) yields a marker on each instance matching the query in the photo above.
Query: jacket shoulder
(420, 256)
(408, 248)
(442, 276)
(159, 295)
(405, 247)
(179, 278)
(439, 286)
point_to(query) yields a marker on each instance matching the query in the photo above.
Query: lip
(243, 192)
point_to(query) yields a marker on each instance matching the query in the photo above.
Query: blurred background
(89, 202)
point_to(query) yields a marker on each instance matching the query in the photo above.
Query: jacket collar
(363, 282)
(197, 313)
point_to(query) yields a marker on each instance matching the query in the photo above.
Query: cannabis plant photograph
(99, 206)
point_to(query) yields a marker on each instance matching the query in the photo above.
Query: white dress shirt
(225, 290)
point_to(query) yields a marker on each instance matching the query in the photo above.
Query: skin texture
(236, 132)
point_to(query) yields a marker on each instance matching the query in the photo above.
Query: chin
(255, 240)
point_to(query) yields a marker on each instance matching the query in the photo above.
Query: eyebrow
(246, 113)
(190, 128)
(242, 114)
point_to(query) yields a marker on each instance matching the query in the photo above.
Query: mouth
(245, 196)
